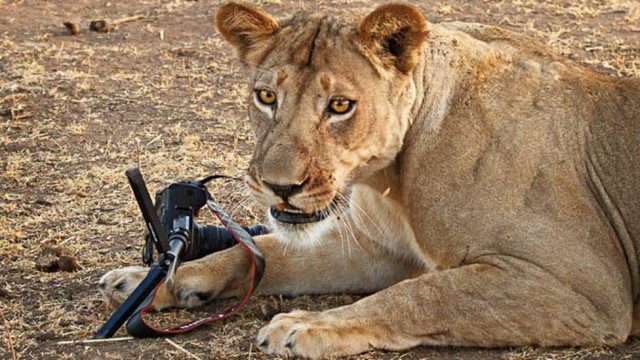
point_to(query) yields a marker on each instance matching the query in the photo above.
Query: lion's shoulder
(523, 45)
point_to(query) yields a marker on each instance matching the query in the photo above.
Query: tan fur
(488, 189)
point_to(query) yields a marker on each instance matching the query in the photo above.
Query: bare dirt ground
(163, 92)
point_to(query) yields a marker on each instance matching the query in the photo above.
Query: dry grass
(164, 93)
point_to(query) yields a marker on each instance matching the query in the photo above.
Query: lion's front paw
(194, 284)
(311, 335)
(116, 285)
(273, 338)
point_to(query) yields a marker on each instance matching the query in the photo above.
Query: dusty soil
(163, 92)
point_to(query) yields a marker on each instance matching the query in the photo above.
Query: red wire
(187, 326)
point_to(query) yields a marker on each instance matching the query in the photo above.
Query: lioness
(485, 189)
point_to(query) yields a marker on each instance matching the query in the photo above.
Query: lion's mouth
(292, 215)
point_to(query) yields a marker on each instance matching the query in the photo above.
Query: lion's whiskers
(342, 205)
(240, 204)
(243, 196)
(340, 230)
(362, 216)
(335, 210)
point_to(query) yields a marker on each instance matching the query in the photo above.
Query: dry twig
(9, 341)
(11, 97)
(181, 349)
(93, 341)
(105, 26)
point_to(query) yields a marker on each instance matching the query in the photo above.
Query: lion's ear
(394, 34)
(243, 26)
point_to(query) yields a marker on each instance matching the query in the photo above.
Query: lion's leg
(507, 303)
(327, 268)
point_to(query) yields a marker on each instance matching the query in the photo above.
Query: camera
(177, 237)
(178, 205)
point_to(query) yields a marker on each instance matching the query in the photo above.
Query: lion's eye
(340, 106)
(266, 97)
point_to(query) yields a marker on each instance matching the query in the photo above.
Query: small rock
(45, 335)
(73, 28)
(104, 220)
(4, 293)
(99, 26)
(55, 258)
(47, 263)
(268, 310)
(68, 263)
(43, 202)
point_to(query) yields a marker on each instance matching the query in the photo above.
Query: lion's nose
(285, 191)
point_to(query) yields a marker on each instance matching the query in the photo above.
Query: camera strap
(137, 326)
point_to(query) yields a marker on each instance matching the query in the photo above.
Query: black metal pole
(129, 306)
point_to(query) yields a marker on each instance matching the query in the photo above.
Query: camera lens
(208, 239)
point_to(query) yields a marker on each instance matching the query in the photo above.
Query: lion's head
(329, 102)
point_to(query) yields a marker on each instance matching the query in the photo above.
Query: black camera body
(178, 205)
